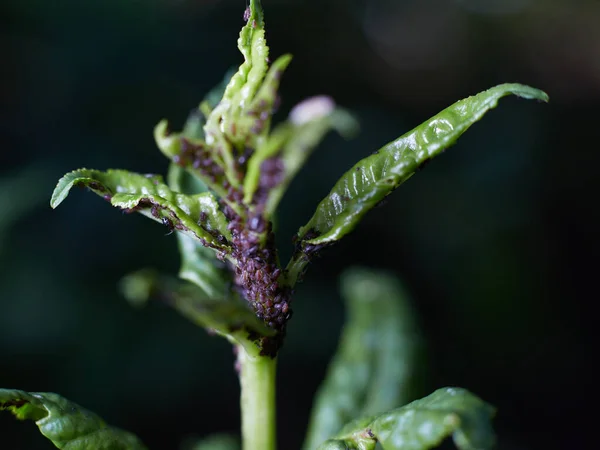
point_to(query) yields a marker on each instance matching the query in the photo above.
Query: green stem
(257, 381)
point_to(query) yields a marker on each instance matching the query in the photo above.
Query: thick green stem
(257, 381)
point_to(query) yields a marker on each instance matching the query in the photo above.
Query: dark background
(496, 239)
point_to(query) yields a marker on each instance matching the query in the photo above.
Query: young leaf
(244, 85)
(376, 176)
(374, 364)
(423, 424)
(275, 163)
(66, 424)
(198, 216)
(227, 316)
(229, 124)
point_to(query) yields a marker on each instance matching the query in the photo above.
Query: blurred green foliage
(496, 241)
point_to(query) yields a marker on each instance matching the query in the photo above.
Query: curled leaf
(373, 367)
(423, 424)
(376, 176)
(66, 424)
(275, 163)
(244, 85)
(193, 154)
(198, 215)
(225, 129)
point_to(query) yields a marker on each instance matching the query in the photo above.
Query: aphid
(381, 202)
(253, 225)
(168, 223)
(247, 14)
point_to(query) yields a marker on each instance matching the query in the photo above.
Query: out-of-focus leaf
(375, 177)
(199, 264)
(66, 424)
(373, 367)
(286, 150)
(225, 316)
(184, 182)
(215, 442)
(423, 424)
(197, 215)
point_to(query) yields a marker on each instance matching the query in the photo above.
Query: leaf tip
(64, 185)
(525, 91)
(164, 141)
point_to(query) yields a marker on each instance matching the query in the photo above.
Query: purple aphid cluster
(257, 273)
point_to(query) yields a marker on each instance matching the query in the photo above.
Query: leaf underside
(196, 215)
(67, 425)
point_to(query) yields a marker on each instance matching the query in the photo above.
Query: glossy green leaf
(423, 424)
(198, 215)
(291, 143)
(66, 424)
(376, 176)
(373, 368)
(226, 315)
